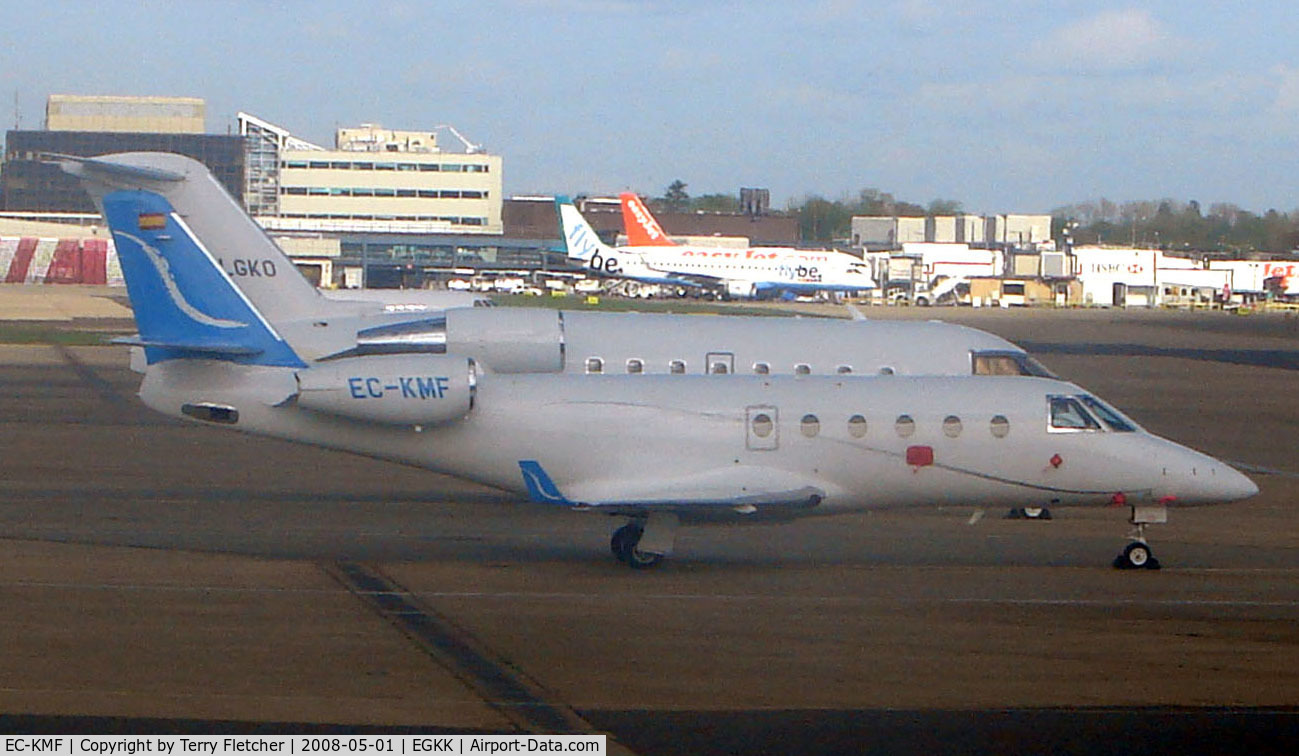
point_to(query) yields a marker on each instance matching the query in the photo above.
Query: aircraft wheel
(642, 560)
(624, 540)
(1136, 556)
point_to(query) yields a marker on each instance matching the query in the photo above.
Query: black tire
(624, 540)
(1136, 556)
(642, 560)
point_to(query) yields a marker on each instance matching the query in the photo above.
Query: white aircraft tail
(583, 244)
(218, 223)
(643, 230)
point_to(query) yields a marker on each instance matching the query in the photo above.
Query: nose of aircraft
(1194, 478)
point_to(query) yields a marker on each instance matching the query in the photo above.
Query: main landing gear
(1138, 555)
(645, 541)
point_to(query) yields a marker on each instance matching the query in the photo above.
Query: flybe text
(583, 247)
(407, 387)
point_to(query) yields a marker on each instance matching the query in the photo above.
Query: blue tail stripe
(180, 294)
(541, 489)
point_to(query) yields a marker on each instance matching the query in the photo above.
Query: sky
(1003, 105)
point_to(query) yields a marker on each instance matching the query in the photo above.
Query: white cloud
(1117, 40)
(1287, 91)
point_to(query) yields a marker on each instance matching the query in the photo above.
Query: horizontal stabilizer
(82, 165)
(200, 348)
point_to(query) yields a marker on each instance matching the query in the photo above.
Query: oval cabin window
(857, 426)
(905, 426)
(810, 425)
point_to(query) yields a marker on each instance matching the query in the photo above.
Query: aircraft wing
(739, 487)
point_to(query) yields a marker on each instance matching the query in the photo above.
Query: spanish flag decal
(152, 221)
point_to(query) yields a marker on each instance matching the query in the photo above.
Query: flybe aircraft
(654, 450)
(743, 273)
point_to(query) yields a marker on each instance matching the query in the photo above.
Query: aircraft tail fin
(212, 219)
(185, 305)
(580, 239)
(643, 230)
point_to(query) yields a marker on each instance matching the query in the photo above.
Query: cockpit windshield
(1108, 415)
(1067, 414)
(1008, 363)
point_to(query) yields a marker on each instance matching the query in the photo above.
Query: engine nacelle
(508, 340)
(399, 390)
(740, 289)
(503, 340)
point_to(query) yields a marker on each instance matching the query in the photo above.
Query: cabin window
(857, 426)
(761, 368)
(843, 369)
(1007, 363)
(719, 368)
(905, 426)
(677, 367)
(809, 426)
(802, 368)
(594, 365)
(886, 370)
(635, 366)
(999, 426)
(1108, 415)
(763, 425)
(952, 426)
(1067, 414)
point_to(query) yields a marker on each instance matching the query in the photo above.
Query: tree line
(1168, 224)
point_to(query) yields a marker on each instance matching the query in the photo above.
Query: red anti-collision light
(1056, 460)
(920, 456)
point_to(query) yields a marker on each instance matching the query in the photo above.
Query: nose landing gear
(1138, 555)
